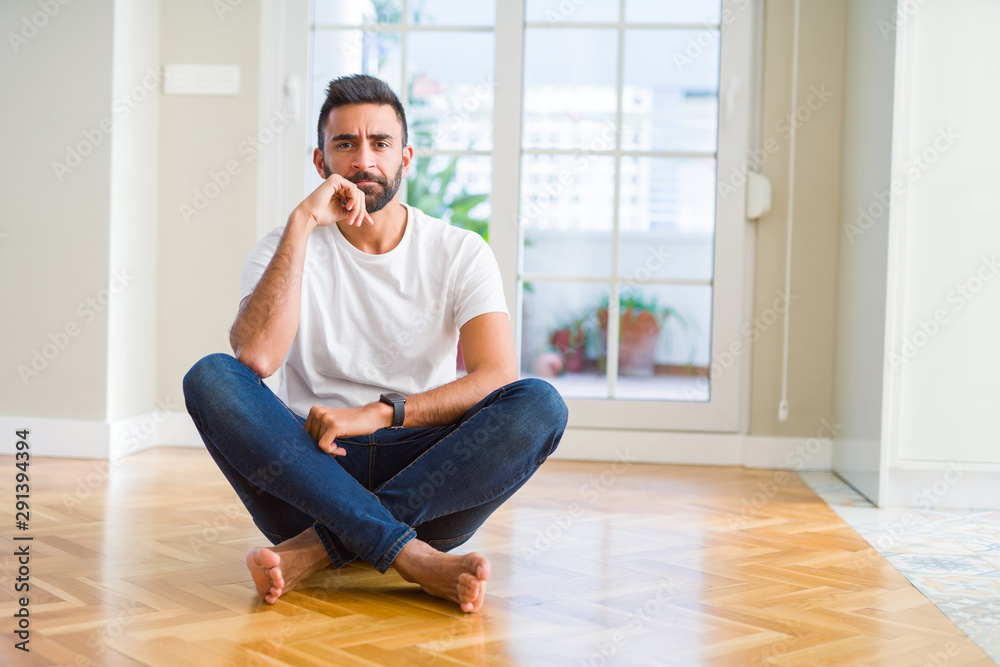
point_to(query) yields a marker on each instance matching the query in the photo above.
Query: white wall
(79, 170)
(201, 255)
(869, 76)
(54, 252)
(812, 322)
(943, 379)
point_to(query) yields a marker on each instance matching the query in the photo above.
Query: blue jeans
(438, 484)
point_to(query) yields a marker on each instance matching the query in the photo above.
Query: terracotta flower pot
(638, 334)
(571, 344)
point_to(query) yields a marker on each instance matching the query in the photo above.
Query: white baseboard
(719, 449)
(95, 439)
(947, 485)
(65, 438)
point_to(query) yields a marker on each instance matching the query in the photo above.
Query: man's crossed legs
(399, 497)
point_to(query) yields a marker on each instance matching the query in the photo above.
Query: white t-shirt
(375, 323)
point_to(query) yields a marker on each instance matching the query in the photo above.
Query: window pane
(357, 12)
(453, 12)
(450, 99)
(670, 99)
(555, 12)
(455, 189)
(342, 52)
(663, 342)
(570, 88)
(567, 214)
(559, 340)
(673, 11)
(667, 218)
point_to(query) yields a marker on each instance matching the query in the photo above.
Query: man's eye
(343, 144)
(382, 144)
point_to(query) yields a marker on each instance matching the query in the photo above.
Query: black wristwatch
(396, 400)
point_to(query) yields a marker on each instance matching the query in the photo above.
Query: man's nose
(364, 158)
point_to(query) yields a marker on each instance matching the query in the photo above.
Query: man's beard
(374, 201)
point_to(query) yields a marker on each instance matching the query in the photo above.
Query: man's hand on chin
(326, 424)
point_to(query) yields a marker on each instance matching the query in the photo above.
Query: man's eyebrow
(378, 136)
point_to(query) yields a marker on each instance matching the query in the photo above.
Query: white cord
(783, 405)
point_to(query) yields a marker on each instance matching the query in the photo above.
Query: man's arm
(269, 318)
(488, 350)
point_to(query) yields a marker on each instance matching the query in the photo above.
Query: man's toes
(481, 567)
(467, 591)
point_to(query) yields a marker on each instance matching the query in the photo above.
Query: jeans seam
(391, 550)
(441, 441)
(331, 550)
(452, 539)
(402, 442)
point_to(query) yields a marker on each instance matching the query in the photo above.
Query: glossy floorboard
(593, 564)
(951, 555)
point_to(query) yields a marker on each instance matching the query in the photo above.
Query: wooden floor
(593, 564)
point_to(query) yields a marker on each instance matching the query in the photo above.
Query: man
(374, 449)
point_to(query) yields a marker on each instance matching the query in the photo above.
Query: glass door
(629, 253)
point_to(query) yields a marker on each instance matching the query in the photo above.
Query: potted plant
(570, 341)
(640, 321)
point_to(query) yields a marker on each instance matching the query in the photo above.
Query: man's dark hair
(358, 89)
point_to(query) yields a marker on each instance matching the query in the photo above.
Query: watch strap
(397, 401)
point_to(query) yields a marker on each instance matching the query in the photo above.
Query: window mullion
(504, 202)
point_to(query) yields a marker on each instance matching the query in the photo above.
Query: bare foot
(276, 570)
(460, 579)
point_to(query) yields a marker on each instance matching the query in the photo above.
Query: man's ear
(318, 163)
(407, 157)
